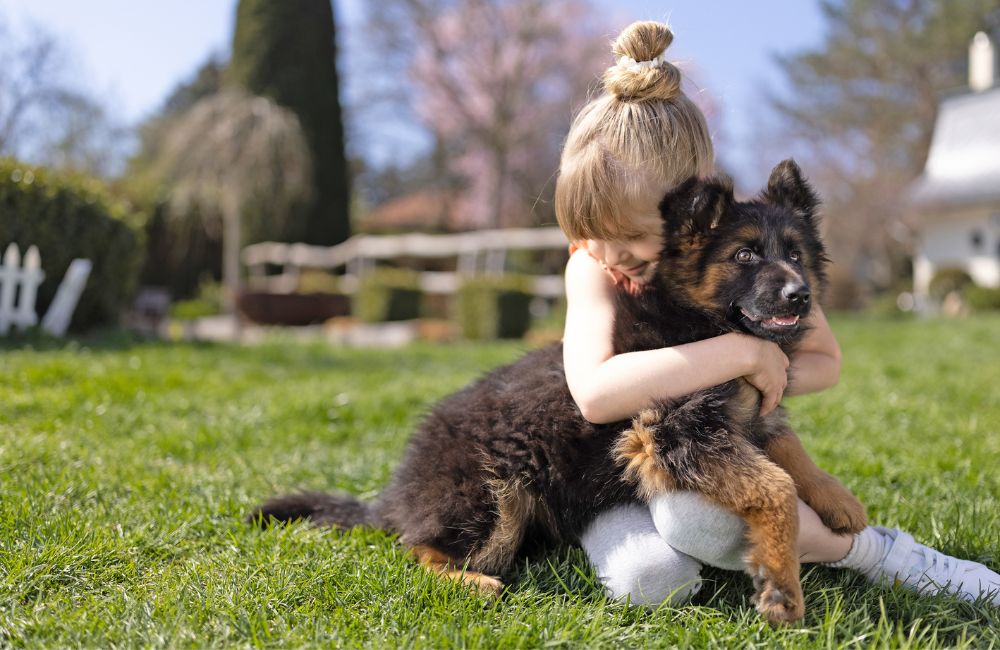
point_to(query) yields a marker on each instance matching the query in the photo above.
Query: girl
(624, 151)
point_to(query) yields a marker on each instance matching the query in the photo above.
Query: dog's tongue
(782, 321)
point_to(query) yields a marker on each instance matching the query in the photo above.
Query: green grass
(126, 467)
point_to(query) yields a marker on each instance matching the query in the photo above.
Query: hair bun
(641, 73)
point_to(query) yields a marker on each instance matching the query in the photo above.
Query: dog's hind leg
(448, 567)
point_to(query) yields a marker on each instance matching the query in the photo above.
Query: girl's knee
(634, 563)
(693, 525)
(651, 581)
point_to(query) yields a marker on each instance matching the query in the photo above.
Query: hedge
(69, 216)
(982, 298)
(387, 295)
(494, 308)
(947, 280)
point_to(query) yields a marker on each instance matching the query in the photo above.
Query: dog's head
(757, 264)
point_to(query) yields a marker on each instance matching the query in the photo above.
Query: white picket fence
(19, 289)
(17, 307)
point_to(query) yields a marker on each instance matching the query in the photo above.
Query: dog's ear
(697, 205)
(787, 187)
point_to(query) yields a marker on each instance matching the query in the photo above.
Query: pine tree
(287, 51)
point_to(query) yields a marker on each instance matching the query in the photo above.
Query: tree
(181, 251)
(287, 51)
(860, 112)
(496, 83)
(43, 117)
(230, 151)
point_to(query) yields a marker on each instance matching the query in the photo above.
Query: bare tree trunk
(500, 156)
(232, 236)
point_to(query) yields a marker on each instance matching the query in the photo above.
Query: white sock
(866, 554)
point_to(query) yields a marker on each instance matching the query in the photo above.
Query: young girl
(624, 151)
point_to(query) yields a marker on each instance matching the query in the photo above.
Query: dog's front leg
(660, 453)
(837, 507)
(763, 494)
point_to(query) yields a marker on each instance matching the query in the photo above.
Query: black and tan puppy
(509, 459)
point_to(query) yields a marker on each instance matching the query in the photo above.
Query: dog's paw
(780, 602)
(781, 606)
(484, 584)
(838, 509)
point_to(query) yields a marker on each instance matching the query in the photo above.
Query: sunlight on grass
(126, 467)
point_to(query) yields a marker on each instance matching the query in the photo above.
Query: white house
(958, 193)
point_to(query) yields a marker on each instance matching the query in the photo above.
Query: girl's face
(632, 261)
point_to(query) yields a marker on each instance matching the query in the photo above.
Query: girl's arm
(816, 362)
(610, 387)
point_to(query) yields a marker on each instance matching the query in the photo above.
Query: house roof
(963, 165)
(427, 210)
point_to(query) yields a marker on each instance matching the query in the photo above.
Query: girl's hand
(768, 373)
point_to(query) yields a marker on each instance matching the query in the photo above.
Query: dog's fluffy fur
(510, 459)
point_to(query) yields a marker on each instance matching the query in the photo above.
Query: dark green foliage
(948, 280)
(387, 295)
(287, 51)
(494, 308)
(982, 298)
(68, 217)
(180, 252)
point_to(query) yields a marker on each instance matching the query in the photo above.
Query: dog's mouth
(773, 323)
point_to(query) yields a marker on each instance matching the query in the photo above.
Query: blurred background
(386, 169)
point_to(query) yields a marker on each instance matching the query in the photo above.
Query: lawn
(126, 467)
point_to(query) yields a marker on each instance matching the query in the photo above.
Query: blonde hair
(642, 137)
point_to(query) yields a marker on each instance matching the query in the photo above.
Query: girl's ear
(697, 206)
(787, 187)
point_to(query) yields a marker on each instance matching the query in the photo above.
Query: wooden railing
(481, 252)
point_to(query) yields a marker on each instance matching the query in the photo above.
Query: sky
(132, 53)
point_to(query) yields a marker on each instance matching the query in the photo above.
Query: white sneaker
(924, 570)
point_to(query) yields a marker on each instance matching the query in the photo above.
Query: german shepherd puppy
(509, 459)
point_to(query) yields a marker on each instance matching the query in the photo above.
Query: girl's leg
(633, 561)
(693, 525)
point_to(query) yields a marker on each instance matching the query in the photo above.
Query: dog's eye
(744, 255)
(795, 256)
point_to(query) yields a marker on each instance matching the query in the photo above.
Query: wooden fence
(19, 289)
(480, 252)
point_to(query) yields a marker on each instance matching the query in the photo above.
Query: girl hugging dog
(687, 313)
(625, 150)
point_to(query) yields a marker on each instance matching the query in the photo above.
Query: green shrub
(69, 216)
(947, 280)
(207, 302)
(315, 281)
(387, 295)
(494, 308)
(886, 306)
(982, 298)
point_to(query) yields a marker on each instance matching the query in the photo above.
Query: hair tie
(632, 65)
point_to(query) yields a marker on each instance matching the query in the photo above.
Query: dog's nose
(796, 293)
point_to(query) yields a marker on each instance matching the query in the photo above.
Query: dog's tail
(340, 510)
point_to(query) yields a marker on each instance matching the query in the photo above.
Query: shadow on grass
(420, 357)
(838, 602)
(110, 340)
